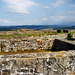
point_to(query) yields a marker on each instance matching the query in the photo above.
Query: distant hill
(35, 27)
(69, 28)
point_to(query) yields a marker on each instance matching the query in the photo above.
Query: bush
(22, 51)
(69, 36)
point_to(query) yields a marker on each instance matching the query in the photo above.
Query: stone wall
(26, 43)
(26, 31)
(52, 63)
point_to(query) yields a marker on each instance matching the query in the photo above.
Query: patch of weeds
(48, 49)
(22, 51)
(69, 36)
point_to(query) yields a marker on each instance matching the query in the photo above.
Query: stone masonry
(24, 43)
(51, 63)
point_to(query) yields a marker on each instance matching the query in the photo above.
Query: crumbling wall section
(52, 63)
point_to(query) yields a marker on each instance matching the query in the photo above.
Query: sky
(37, 12)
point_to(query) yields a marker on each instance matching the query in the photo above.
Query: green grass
(33, 34)
(28, 34)
(22, 51)
(72, 32)
(62, 32)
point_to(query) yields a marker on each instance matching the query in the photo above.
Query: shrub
(58, 31)
(22, 51)
(69, 36)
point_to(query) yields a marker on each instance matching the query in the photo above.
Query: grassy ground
(72, 32)
(33, 34)
(27, 34)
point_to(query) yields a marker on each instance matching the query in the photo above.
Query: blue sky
(37, 12)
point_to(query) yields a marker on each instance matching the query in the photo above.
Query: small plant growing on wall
(48, 49)
(22, 51)
(69, 36)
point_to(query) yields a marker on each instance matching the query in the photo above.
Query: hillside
(35, 27)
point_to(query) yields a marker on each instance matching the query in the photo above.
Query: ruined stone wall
(42, 42)
(26, 31)
(52, 63)
(26, 43)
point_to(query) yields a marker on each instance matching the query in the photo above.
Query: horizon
(36, 25)
(34, 12)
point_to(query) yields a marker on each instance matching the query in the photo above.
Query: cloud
(71, 12)
(58, 3)
(52, 20)
(68, 13)
(44, 19)
(72, 5)
(47, 7)
(57, 18)
(29, 22)
(4, 21)
(20, 6)
(62, 19)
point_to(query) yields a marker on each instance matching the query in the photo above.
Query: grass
(72, 32)
(28, 34)
(33, 34)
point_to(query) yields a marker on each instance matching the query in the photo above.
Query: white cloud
(20, 6)
(26, 22)
(62, 19)
(58, 3)
(44, 19)
(71, 12)
(52, 20)
(47, 7)
(4, 21)
(72, 5)
(68, 13)
(57, 18)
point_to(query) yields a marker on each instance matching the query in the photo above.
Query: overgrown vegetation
(22, 51)
(48, 49)
(69, 36)
(28, 34)
(72, 32)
